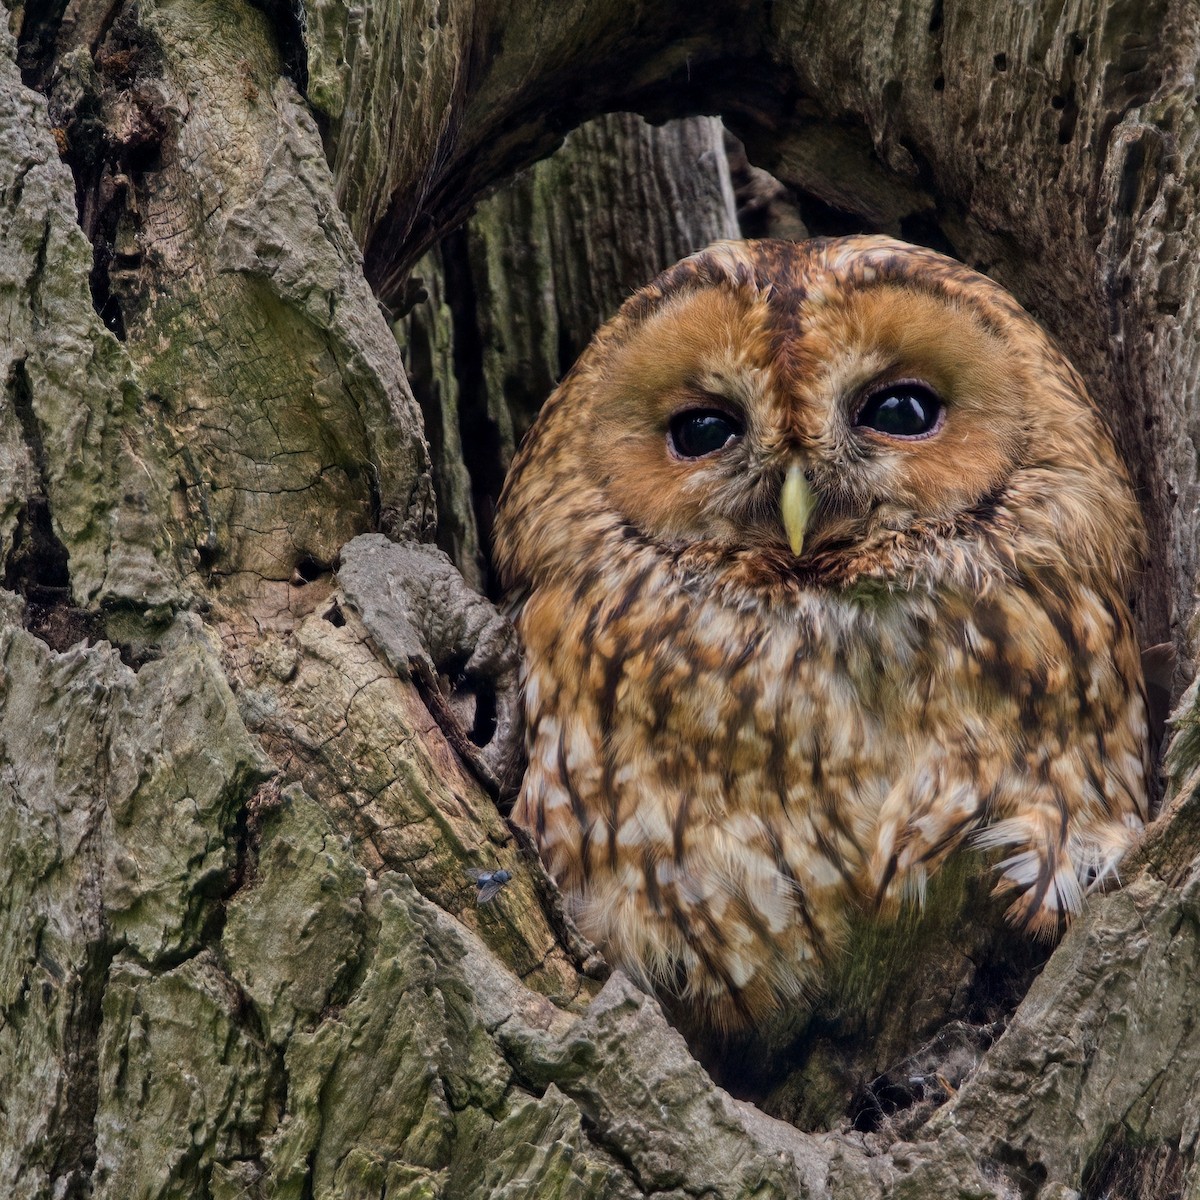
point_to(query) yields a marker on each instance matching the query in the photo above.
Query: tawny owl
(819, 556)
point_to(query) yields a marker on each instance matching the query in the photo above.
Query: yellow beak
(796, 504)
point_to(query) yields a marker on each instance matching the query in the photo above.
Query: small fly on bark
(489, 883)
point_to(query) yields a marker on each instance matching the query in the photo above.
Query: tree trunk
(240, 955)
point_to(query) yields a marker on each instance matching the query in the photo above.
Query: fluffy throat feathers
(970, 553)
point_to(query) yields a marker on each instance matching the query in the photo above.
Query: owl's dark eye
(903, 410)
(696, 432)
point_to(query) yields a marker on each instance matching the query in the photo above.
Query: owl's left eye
(904, 410)
(696, 432)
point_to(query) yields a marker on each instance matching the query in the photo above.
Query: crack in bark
(70, 1174)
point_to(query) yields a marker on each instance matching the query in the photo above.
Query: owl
(818, 557)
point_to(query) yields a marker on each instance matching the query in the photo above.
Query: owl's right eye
(697, 432)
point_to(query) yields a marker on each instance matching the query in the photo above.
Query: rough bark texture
(240, 953)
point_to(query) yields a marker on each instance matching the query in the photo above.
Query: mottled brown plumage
(734, 745)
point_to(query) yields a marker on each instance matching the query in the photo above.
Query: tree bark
(240, 954)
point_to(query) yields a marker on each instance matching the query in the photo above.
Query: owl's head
(825, 409)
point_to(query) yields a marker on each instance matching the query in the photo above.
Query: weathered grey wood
(239, 953)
